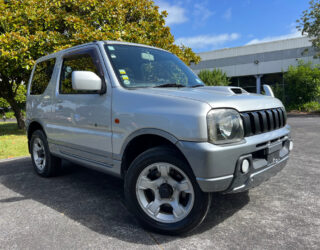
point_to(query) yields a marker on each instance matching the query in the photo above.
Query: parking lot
(84, 209)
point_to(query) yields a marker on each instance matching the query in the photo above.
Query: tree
(216, 77)
(309, 23)
(303, 84)
(20, 98)
(30, 29)
(4, 104)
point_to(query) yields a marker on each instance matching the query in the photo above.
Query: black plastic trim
(262, 121)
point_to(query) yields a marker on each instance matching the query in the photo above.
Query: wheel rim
(164, 192)
(39, 155)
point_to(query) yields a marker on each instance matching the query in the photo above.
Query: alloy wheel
(164, 192)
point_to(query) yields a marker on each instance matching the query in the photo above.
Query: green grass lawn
(13, 141)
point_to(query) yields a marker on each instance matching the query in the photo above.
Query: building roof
(292, 43)
(261, 58)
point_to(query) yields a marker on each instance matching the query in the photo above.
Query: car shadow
(96, 200)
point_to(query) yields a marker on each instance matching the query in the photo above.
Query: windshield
(141, 67)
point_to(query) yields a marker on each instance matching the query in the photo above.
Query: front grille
(261, 121)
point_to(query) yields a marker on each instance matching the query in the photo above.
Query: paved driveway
(85, 209)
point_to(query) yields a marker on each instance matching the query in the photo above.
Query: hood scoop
(227, 89)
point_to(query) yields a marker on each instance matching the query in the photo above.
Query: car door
(83, 118)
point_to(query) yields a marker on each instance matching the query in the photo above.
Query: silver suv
(139, 113)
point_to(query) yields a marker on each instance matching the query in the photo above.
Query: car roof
(53, 55)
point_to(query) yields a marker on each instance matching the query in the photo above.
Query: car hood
(219, 97)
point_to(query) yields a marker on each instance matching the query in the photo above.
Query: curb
(14, 158)
(303, 115)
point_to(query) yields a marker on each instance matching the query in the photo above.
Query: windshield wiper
(170, 85)
(198, 85)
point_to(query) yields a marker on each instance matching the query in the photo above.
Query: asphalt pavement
(84, 209)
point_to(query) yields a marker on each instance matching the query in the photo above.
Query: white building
(263, 63)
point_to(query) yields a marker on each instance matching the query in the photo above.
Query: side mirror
(268, 90)
(86, 80)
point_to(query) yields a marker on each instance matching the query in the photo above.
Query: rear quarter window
(42, 76)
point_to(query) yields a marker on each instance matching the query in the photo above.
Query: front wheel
(162, 192)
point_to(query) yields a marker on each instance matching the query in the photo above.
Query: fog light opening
(290, 146)
(245, 166)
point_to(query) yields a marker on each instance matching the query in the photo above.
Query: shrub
(279, 92)
(310, 107)
(9, 115)
(215, 77)
(303, 84)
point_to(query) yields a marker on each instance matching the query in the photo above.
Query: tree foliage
(309, 23)
(30, 29)
(20, 98)
(4, 103)
(303, 84)
(215, 77)
(279, 92)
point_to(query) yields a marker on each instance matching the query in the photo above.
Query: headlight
(224, 126)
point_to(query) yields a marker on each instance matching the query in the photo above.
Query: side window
(78, 62)
(42, 76)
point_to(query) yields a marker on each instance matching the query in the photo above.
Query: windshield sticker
(147, 56)
(113, 56)
(110, 47)
(125, 77)
(126, 82)
(122, 71)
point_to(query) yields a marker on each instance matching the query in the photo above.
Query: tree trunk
(17, 113)
(8, 93)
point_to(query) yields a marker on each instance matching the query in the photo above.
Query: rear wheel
(162, 192)
(44, 163)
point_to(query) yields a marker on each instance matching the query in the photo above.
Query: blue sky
(206, 25)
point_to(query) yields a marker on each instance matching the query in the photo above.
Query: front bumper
(217, 168)
(242, 182)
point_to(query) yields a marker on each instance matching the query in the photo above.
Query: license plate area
(273, 157)
(274, 147)
(273, 152)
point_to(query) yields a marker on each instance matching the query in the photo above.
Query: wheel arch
(142, 140)
(32, 127)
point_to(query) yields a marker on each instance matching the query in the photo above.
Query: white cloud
(201, 13)
(176, 14)
(207, 41)
(293, 34)
(228, 14)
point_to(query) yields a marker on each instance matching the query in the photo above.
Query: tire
(157, 206)
(50, 165)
